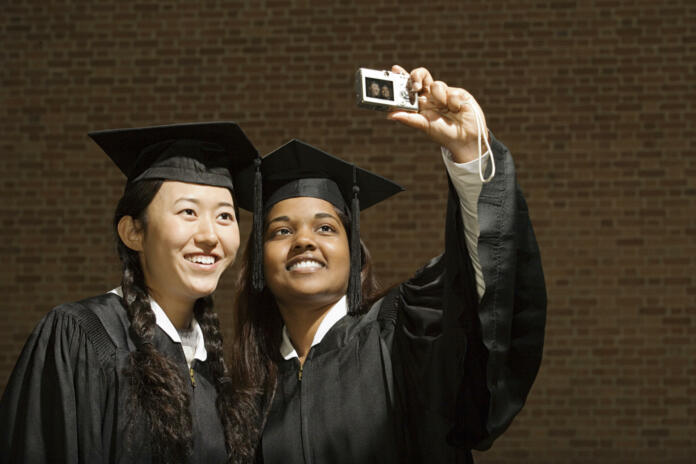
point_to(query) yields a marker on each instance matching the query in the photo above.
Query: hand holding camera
(446, 114)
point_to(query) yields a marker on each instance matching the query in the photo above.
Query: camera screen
(378, 88)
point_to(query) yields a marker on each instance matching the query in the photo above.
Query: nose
(205, 234)
(304, 240)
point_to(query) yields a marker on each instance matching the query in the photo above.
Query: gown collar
(335, 314)
(167, 327)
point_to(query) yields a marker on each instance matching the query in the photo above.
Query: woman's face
(385, 92)
(306, 254)
(190, 238)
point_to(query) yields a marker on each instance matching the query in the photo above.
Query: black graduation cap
(208, 153)
(298, 169)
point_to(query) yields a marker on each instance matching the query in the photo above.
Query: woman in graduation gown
(135, 375)
(332, 371)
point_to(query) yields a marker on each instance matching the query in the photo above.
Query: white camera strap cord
(480, 128)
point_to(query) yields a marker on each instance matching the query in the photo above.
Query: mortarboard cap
(287, 172)
(208, 153)
(298, 169)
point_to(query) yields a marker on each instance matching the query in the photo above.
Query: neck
(179, 312)
(302, 324)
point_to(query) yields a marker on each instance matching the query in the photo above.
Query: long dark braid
(158, 396)
(158, 389)
(226, 399)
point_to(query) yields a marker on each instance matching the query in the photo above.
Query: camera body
(384, 90)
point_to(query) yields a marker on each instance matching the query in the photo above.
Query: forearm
(467, 182)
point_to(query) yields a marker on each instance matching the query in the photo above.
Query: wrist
(468, 150)
(465, 153)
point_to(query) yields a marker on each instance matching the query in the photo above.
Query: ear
(131, 233)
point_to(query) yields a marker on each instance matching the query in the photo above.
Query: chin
(317, 294)
(200, 291)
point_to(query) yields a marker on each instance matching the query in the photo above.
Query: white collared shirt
(335, 314)
(466, 181)
(166, 325)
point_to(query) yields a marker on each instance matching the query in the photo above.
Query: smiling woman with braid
(137, 374)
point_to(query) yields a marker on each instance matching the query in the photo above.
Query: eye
(226, 217)
(187, 212)
(327, 228)
(279, 232)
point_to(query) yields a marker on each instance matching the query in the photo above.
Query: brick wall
(595, 100)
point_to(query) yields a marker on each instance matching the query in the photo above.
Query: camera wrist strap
(480, 128)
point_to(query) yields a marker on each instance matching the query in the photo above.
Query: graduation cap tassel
(257, 280)
(355, 283)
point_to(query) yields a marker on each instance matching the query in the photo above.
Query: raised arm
(469, 352)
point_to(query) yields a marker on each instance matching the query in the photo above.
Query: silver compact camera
(384, 90)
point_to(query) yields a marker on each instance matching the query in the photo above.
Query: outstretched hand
(447, 115)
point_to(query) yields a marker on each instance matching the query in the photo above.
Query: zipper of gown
(193, 379)
(304, 415)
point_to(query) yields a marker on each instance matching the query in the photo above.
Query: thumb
(407, 118)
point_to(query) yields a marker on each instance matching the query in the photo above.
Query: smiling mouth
(305, 264)
(201, 259)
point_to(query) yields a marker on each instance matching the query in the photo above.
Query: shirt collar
(335, 314)
(166, 325)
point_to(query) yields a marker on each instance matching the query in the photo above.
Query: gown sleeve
(463, 368)
(52, 408)
(513, 310)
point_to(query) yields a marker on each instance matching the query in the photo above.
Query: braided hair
(158, 398)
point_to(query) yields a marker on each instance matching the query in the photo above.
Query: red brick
(594, 99)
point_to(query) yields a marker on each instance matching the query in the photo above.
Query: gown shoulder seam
(89, 323)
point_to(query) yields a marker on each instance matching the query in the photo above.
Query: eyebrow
(279, 219)
(195, 201)
(316, 216)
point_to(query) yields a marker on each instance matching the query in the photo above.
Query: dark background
(595, 100)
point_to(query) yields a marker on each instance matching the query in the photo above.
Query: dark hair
(158, 387)
(257, 328)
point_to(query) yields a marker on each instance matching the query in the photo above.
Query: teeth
(308, 264)
(201, 259)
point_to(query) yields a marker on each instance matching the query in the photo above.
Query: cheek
(159, 246)
(272, 254)
(341, 253)
(230, 241)
(164, 240)
(161, 237)
(342, 264)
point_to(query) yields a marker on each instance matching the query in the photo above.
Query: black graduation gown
(429, 373)
(66, 398)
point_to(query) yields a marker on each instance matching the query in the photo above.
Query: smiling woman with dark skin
(306, 264)
(137, 374)
(330, 368)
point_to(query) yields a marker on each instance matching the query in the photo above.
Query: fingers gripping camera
(384, 90)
